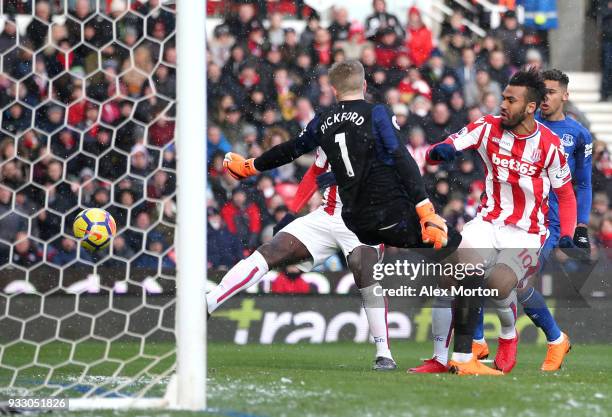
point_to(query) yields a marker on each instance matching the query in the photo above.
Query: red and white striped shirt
(519, 171)
(331, 199)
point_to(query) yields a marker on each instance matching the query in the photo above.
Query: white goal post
(191, 203)
(89, 91)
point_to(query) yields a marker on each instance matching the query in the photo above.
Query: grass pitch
(336, 380)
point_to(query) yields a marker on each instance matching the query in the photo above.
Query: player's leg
(536, 309)
(513, 263)
(441, 331)
(504, 279)
(361, 260)
(306, 238)
(533, 304)
(474, 235)
(442, 326)
(476, 248)
(466, 311)
(407, 234)
(532, 301)
(506, 312)
(283, 249)
(480, 349)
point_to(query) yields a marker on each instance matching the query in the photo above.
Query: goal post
(103, 104)
(191, 204)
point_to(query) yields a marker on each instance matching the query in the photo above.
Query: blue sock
(479, 331)
(535, 307)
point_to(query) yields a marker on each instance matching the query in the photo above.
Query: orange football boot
(473, 367)
(556, 353)
(480, 350)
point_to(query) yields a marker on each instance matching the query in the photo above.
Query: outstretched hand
(238, 167)
(443, 152)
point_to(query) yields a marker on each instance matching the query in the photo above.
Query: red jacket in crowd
(161, 132)
(230, 212)
(419, 41)
(386, 55)
(285, 285)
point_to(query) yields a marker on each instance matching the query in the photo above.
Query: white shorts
(502, 244)
(323, 235)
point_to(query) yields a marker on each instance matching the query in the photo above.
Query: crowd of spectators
(88, 129)
(265, 82)
(87, 121)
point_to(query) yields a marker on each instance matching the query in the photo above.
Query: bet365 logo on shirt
(514, 165)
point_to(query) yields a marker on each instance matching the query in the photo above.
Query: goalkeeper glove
(433, 227)
(443, 152)
(238, 167)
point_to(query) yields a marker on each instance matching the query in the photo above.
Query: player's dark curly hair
(556, 75)
(533, 80)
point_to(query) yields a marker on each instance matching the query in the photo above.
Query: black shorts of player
(402, 230)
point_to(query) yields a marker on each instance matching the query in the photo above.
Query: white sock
(245, 273)
(506, 311)
(375, 307)
(461, 357)
(442, 327)
(557, 340)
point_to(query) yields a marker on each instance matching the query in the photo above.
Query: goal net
(88, 93)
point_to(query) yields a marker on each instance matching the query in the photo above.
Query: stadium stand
(267, 76)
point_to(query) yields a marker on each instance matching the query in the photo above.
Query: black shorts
(401, 229)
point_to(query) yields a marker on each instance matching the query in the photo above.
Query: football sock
(465, 319)
(506, 311)
(461, 357)
(245, 273)
(375, 307)
(535, 307)
(466, 312)
(442, 327)
(479, 332)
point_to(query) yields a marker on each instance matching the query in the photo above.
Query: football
(94, 227)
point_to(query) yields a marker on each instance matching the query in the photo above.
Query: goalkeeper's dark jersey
(376, 176)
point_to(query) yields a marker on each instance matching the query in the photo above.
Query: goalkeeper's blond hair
(347, 77)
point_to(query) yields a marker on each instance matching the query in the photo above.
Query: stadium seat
(287, 191)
